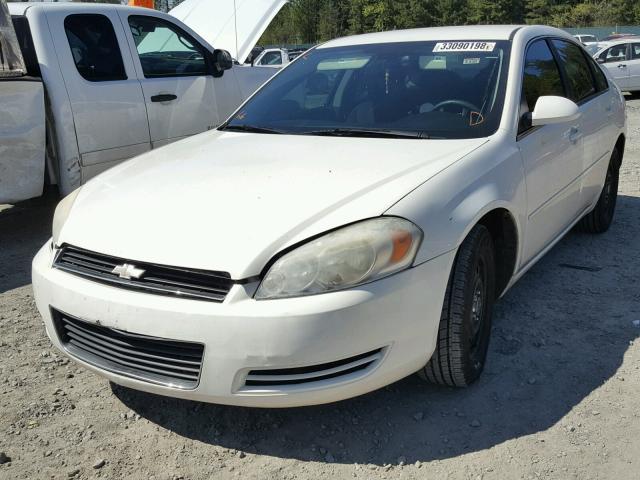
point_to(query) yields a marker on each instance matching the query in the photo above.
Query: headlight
(61, 214)
(344, 258)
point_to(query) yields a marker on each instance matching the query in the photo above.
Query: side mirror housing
(600, 60)
(551, 110)
(221, 61)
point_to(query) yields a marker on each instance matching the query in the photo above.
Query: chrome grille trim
(155, 360)
(157, 279)
(313, 373)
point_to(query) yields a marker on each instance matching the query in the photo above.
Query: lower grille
(148, 277)
(151, 359)
(314, 373)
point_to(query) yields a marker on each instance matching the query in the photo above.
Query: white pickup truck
(101, 83)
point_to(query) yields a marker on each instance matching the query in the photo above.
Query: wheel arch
(620, 144)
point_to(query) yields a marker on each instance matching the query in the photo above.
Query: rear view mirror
(222, 61)
(551, 109)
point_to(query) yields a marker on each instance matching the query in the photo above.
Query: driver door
(176, 81)
(551, 155)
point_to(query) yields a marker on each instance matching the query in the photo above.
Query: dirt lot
(560, 397)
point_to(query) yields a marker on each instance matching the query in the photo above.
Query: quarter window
(541, 74)
(165, 50)
(94, 47)
(576, 70)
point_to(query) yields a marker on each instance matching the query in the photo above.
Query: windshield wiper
(249, 128)
(367, 132)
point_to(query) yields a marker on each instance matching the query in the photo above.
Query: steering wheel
(468, 106)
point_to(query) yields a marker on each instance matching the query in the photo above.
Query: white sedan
(351, 224)
(622, 59)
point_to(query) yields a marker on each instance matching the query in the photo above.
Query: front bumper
(398, 314)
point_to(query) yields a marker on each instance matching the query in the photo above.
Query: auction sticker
(464, 47)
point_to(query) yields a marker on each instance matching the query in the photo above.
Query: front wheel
(465, 322)
(600, 218)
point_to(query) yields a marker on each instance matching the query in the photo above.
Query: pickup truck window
(165, 50)
(94, 47)
(271, 58)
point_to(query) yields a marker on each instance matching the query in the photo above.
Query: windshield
(413, 89)
(592, 49)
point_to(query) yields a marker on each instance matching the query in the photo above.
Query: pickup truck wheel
(465, 322)
(600, 218)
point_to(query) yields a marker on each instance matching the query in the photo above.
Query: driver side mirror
(601, 60)
(551, 110)
(221, 61)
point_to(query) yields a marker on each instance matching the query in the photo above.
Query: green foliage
(312, 21)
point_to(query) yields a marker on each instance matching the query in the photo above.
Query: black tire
(600, 218)
(463, 334)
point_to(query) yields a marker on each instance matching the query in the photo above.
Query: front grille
(313, 373)
(157, 279)
(151, 359)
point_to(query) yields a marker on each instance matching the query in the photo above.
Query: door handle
(622, 66)
(574, 135)
(163, 97)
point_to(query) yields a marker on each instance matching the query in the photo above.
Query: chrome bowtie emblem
(128, 271)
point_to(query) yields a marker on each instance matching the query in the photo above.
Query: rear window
(11, 62)
(94, 47)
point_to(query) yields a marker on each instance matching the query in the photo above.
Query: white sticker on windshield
(464, 47)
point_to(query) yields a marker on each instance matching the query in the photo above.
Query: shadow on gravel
(558, 335)
(23, 230)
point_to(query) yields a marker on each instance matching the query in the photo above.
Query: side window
(599, 76)
(271, 58)
(94, 47)
(576, 69)
(165, 50)
(617, 53)
(635, 51)
(541, 77)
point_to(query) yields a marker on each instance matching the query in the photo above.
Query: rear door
(634, 67)
(175, 75)
(106, 97)
(588, 91)
(614, 59)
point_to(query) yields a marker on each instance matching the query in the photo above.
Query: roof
(466, 32)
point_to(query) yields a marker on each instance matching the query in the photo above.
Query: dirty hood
(230, 201)
(233, 25)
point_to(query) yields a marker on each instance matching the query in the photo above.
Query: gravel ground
(560, 397)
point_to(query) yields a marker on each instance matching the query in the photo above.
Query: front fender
(450, 204)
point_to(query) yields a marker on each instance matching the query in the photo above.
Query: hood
(233, 25)
(230, 201)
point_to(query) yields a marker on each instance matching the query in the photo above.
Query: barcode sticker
(464, 47)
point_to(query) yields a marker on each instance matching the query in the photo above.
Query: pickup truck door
(173, 69)
(105, 95)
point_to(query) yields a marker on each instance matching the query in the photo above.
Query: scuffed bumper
(398, 315)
